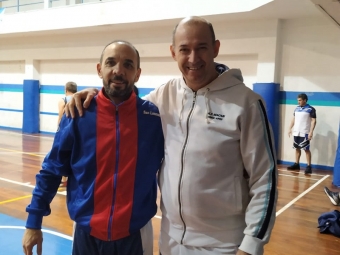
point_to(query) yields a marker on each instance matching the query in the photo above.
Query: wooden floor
(301, 199)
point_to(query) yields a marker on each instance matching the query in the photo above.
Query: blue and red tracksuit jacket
(111, 157)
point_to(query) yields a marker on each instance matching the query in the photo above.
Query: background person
(303, 124)
(70, 89)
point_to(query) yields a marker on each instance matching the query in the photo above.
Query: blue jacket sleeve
(55, 165)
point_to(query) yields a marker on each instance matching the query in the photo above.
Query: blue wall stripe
(10, 128)
(56, 89)
(10, 110)
(314, 98)
(11, 87)
(60, 89)
(52, 89)
(47, 133)
(144, 91)
(15, 110)
(285, 97)
(49, 113)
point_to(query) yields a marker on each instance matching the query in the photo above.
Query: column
(268, 77)
(31, 98)
(47, 4)
(270, 93)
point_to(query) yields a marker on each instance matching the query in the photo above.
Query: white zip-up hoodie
(218, 180)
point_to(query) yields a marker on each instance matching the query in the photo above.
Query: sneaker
(295, 166)
(333, 196)
(308, 170)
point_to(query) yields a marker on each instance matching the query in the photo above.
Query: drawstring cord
(207, 108)
(182, 109)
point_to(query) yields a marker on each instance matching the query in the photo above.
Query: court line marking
(21, 134)
(22, 152)
(27, 185)
(300, 177)
(159, 217)
(292, 171)
(14, 199)
(300, 196)
(43, 230)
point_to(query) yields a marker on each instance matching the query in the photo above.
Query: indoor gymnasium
(281, 58)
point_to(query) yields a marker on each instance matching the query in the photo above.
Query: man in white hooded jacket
(219, 176)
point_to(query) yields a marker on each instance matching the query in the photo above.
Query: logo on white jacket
(151, 113)
(215, 116)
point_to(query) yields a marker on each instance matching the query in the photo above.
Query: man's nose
(118, 70)
(193, 57)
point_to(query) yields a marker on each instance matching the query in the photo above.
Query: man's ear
(99, 70)
(172, 50)
(216, 48)
(139, 71)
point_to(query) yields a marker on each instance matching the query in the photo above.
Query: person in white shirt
(303, 124)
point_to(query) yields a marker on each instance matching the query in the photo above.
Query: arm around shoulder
(76, 101)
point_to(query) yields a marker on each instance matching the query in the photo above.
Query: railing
(17, 5)
(11, 6)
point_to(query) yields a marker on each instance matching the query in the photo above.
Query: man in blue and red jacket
(111, 157)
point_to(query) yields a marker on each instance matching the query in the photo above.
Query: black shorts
(85, 244)
(301, 143)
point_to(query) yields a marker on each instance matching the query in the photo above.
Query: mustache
(117, 78)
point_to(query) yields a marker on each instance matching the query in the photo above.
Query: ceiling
(330, 8)
(277, 9)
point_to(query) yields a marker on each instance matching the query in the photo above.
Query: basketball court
(301, 201)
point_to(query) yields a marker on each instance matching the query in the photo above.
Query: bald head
(121, 42)
(194, 48)
(194, 21)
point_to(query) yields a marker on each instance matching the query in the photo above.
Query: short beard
(122, 93)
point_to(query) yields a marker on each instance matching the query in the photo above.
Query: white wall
(311, 55)
(11, 72)
(58, 72)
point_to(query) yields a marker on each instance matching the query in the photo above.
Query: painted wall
(64, 57)
(302, 55)
(11, 93)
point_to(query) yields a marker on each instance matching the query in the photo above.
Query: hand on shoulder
(75, 101)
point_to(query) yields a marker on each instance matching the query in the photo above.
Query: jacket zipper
(115, 177)
(182, 166)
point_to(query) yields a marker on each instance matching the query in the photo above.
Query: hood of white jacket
(227, 79)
